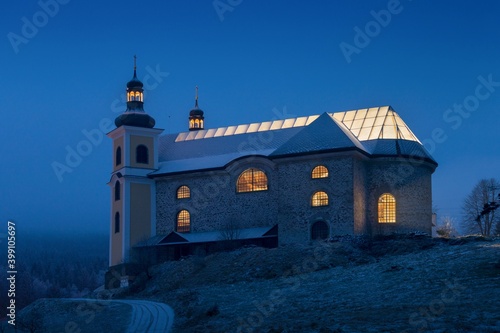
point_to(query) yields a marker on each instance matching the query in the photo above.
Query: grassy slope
(396, 285)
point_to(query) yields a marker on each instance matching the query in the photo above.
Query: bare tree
(477, 219)
(446, 227)
(230, 230)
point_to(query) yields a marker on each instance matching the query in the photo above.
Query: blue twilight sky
(64, 73)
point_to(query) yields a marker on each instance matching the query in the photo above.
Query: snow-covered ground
(397, 285)
(94, 316)
(400, 284)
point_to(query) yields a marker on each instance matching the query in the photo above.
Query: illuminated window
(118, 157)
(320, 230)
(183, 221)
(197, 123)
(117, 222)
(183, 192)
(251, 180)
(319, 172)
(319, 199)
(386, 208)
(117, 191)
(141, 154)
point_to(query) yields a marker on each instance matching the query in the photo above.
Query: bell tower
(133, 193)
(196, 118)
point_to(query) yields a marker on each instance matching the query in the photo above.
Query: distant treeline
(54, 265)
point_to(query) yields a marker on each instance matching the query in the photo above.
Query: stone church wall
(410, 183)
(353, 186)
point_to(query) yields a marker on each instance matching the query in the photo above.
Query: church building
(357, 172)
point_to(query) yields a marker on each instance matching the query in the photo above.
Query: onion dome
(135, 115)
(196, 118)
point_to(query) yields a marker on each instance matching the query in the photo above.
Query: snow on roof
(322, 135)
(246, 128)
(368, 130)
(208, 236)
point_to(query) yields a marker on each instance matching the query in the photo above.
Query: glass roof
(364, 124)
(375, 123)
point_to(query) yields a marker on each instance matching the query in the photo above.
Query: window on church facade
(142, 154)
(118, 157)
(386, 208)
(117, 191)
(117, 222)
(319, 199)
(251, 180)
(183, 221)
(319, 172)
(183, 192)
(319, 230)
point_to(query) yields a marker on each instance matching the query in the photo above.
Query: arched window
(183, 221)
(319, 172)
(118, 157)
(251, 180)
(117, 222)
(386, 208)
(183, 192)
(117, 190)
(319, 199)
(197, 123)
(142, 154)
(319, 230)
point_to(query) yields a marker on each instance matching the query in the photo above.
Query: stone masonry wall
(214, 203)
(296, 215)
(353, 186)
(410, 183)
